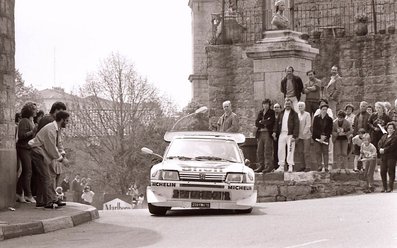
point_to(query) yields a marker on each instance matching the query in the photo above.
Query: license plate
(200, 204)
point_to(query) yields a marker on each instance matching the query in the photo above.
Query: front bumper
(201, 195)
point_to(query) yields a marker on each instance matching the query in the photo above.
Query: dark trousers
(275, 153)
(45, 191)
(23, 184)
(388, 166)
(264, 150)
(321, 154)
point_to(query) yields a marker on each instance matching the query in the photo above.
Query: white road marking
(308, 243)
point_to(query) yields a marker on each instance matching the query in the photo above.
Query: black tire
(161, 211)
(244, 211)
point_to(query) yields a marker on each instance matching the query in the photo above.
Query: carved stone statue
(279, 20)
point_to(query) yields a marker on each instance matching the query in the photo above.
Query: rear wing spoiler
(239, 138)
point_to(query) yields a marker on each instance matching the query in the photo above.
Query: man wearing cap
(265, 123)
(322, 129)
(333, 89)
(288, 127)
(292, 87)
(228, 122)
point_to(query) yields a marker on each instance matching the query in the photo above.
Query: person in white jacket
(303, 142)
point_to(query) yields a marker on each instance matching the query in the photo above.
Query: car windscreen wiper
(179, 157)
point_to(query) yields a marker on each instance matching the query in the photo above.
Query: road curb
(48, 225)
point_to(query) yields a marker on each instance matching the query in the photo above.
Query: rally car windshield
(204, 149)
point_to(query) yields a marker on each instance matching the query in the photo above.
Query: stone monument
(274, 53)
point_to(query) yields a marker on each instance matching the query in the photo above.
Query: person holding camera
(265, 123)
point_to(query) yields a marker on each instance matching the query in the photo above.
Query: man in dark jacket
(288, 127)
(361, 119)
(292, 87)
(265, 123)
(322, 129)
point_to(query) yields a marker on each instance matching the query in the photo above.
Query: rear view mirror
(150, 152)
(146, 150)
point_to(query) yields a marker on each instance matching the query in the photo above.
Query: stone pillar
(7, 102)
(277, 50)
(202, 13)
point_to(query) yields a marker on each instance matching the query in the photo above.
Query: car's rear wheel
(244, 211)
(157, 210)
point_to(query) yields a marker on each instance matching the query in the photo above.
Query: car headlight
(250, 177)
(169, 175)
(235, 178)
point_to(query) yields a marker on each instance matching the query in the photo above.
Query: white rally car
(203, 170)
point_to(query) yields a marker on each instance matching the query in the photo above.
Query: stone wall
(230, 78)
(7, 100)
(307, 185)
(368, 65)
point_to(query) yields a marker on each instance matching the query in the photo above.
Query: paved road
(350, 221)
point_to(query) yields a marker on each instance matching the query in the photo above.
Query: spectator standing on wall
(376, 123)
(333, 89)
(330, 143)
(388, 152)
(387, 107)
(361, 119)
(288, 127)
(303, 142)
(292, 87)
(393, 113)
(24, 152)
(340, 132)
(357, 142)
(368, 157)
(349, 108)
(312, 90)
(265, 124)
(322, 129)
(228, 122)
(277, 111)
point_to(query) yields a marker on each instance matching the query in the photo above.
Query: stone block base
(8, 177)
(307, 185)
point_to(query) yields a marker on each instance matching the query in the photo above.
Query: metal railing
(247, 25)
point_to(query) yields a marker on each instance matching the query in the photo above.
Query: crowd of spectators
(344, 140)
(39, 150)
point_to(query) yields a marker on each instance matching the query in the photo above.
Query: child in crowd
(87, 195)
(357, 141)
(368, 156)
(60, 194)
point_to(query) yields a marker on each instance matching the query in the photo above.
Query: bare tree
(24, 92)
(120, 112)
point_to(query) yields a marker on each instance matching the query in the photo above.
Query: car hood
(201, 166)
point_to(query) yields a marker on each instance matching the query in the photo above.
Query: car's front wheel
(157, 210)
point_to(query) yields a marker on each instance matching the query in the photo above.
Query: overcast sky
(154, 34)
